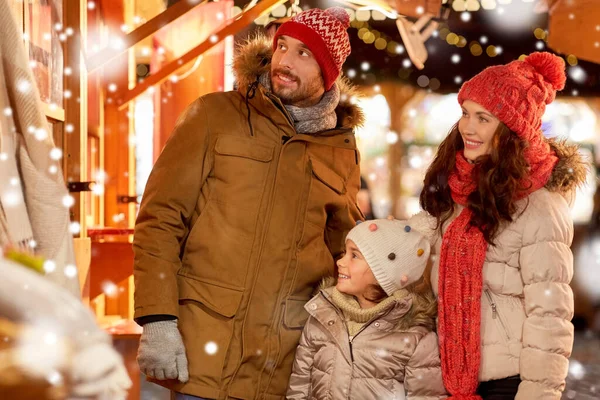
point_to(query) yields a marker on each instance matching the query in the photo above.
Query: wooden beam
(233, 26)
(75, 107)
(142, 32)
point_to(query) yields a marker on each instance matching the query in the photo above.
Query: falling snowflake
(75, 228)
(214, 39)
(41, 134)
(23, 86)
(365, 66)
(68, 201)
(109, 288)
(56, 154)
(8, 111)
(50, 338)
(576, 370)
(55, 378)
(70, 271)
(211, 348)
(12, 198)
(577, 73)
(381, 353)
(49, 266)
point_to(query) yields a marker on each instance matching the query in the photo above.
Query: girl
(497, 213)
(370, 336)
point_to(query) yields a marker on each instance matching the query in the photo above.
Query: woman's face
(477, 127)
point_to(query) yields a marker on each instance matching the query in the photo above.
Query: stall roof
(512, 30)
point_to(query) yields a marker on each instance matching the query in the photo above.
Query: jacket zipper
(495, 313)
(352, 337)
(365, 326)
(261, 249)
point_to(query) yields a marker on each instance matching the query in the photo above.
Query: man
(244, 213)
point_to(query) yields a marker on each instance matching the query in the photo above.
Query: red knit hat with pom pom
(517, 93)
(324, 33)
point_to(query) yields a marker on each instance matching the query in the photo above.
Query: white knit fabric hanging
(28, 142)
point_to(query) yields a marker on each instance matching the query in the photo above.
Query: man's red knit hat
(324, 33)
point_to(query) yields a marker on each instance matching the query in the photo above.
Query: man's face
(295, 74)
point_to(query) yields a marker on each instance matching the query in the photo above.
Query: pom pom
(551, 67)
(340, 14)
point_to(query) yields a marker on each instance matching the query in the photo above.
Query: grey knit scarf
(317, 118)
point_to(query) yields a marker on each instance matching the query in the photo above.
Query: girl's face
(354, 274)
(477, 127)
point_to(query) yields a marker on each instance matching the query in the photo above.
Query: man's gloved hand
(161, 354)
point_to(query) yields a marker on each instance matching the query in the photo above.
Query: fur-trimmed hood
(253, 58)
(571, 170)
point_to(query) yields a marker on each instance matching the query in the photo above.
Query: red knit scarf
(460, 277)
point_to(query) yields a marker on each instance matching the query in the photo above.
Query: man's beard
(303, 92)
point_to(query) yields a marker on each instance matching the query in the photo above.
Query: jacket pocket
(236, 146)
(219, 298)
(328, 177)
(206, 321)
(295, 316)
(497, 316)
(241, 168)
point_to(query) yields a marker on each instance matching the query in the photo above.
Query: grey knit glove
(161, 354)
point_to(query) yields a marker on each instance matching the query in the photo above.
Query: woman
(497, 213)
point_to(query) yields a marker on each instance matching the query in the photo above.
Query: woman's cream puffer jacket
(527, 303)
